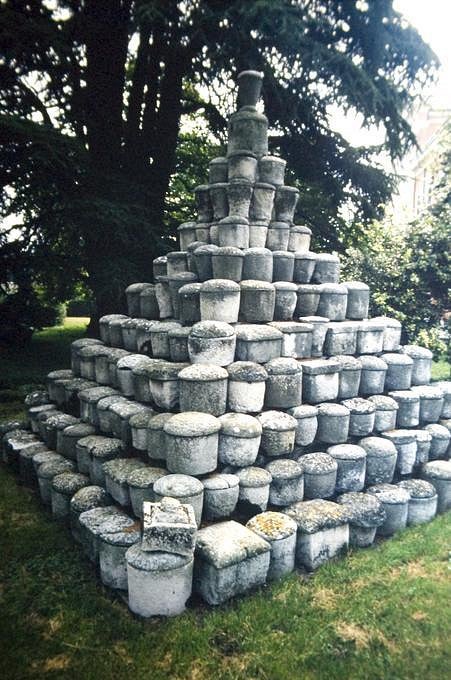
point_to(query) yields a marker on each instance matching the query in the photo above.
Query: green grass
(380, 613)
(441, 370)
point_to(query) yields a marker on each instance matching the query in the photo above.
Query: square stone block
(169, 527)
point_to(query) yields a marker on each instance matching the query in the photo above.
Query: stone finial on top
(169, 526)
(249, 88)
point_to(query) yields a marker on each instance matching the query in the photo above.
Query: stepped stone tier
(246, 416)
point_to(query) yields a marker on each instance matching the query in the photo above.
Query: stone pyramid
(246, 416)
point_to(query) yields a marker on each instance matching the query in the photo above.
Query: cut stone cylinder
(220, 301)
(320, 380)
(304, 266)
(341, 338)
(212, 342)
(307, 303)
(116, 473)
(192, 443)
(287, 485)
(431, 402)
(422, 503)
(258, 265)
(124, 374)
(177, 262)
(104, 415)
(248, 129)
(189, 303)
(284, 384)
(218, 197)
(262, 202)
(307, 424)
(320, 325)
(445, 386)
(165, 385)
(242, 166)
(178, 345)
(176, 281)
(116, 535)
(349, 377)
(297, 338)
(299, 240)
(156, 440)
(392, 333)
(280, 532)
(138, 425)
(366, 514)
(286, 300)
(370, 337)
(46, 473)
(351, 461)
(102, 450)
(64, 486)
(381, 455)
(257, 301)
(86, 499)
(320, 474)
(104, 331)
(140, 484)
(395, 502)
(285, 203)
(203, 203)
(148, 305)
(440, 439)
(386, 412)
(278, 433)
(438, 473)
(271, 170)
(333, 301)
(258, 233)
(362, 416)
(169, 526)
(372, 377)
(187, 234)
(258, 343)
(164, 297)
(254, 490)
(67, 439)
(227, 263)
(239, 194)
(90, 522)
(399, 371)
(217, 170)
(408, 414)
(160, 340)
(333, 423)
(202, 258)
(203, 387)
(233, 231)
(358, 300)
(188, 490)
(160, 266)
(424, 440)
(327, 268)
(239, 439)
(220, 495)
(246, 391)
(283, 265)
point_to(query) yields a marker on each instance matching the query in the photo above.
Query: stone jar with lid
(299, 239)
(406, 446)
(86, 358)
(192, 443)
(258, 264)
(203, 203)
(372, 378)
(217, 170)
(160, 266)
(177, 262)
(366, 513)
(239, 194)
(234, 229)
(242, 166)
(148, 304)
(257, 301)
(287, 485)
(143, 336)
(124, 373)
(220, 300)
(253, 490)
(307, 423)
(262, 202)
(227, 263)
(280, 532)
(333, 301)
(381, 455)
(246, 387)
(333, 423)
(129, 330)
(121, 412)
(286, 300)
(399, 371)
(392, 333)
(445, 386)
(156, 441)
(327, 268)
(408, 414)
(140, 483)
(395, 502)
(176, 281)
(319, 330)
(160, 340)
(341, 338)
(258, 232)
(297, 338)
(370, 337)
(64, 486)
(284, 384)
(191, 250)
(362, 416)
(220, 495)
(178, 344)
(83, 500)
(440, 439)
(132, 294)
(187, 234)
(283, 265)
(258, 343)
(423, 501)
(358, 300)
(138, 425)
(164, 298)
(278, 235)
(320, 380)
(101, 450)
(320, 475)
(248, 129)
(351, 461)
(104, 415)
(386, 412)
(67, 439)
(307, 303)
(203, 387)
(188, 490)
(239, 439)
(278, 433)
(285, 203)
(304, 266)
(46, 473)
(271, 170)
(431, 402)
(349, 377)
(164, 384)
(438, 473)
(422, 363)
(189, 303)
(104, 330)
(116, 536)
(202, 258)
(212, 342)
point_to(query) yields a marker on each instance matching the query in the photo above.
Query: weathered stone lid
(136, 287)
(240, 425)
(305, 256)
(89, 352)
(89, 497)
(283, 366)
(79, 430)
(438, 431)
(36, 398)
(394, 359)
(157, 422)
(257, 332)
(272, 526)
(102, 447)
(176, 255)
(427, 391)
(82, 342)
(388, 321)
(422, 436)
(348, 363)
(93, 519)
(131, 361)
(190, 289)
(254, 284)
(213, 329)
(418, 488)
(77, 384)
(145, 477)
(93, 394)
(399, 436)
(279, 225)
(69, 482)
(227, 543)
(188, 226)
(164, 327)
(166, 370)
(320, 366)
(333, 289)
(215, 286)
(365, 510)
(232, 220)
(383, 403)
(338, 327)
(205, 251)
(303, 411)
(195, 244)
(154, 561)
(192, 424)
(314, 320)
(301, 229)
(389, 493)
(125, 409)
(220, 481)
(34, 411)
(404, 396)
(142, 368)
(316, 515)
(59, 421)
(416, 352)
(9, 426)
(118, 321)
(372, 363)
(105, 403)
(333, 410)
(317, 463)
(32, 449)
(438, 469)
(118, 469)
(227, 251)
(378, 447)
(283, 254)
(66, 373)
(357, 405)
(258, 252)
(203, 373)
(346, 452)
(253, 477)
(120, 530)
(178, 486)
(140, 420)
(246, 371)
(186, 277)
(47, 456)
(285, 286)
(292, 326)
(284, 469)
(277, 421)
(116, 353)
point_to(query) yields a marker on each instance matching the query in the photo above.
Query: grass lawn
(378, 613)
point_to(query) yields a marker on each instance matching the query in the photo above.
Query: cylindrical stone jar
(424, 440)
(297, 338)
(304, 266)
(102, 450)
(431, 402)
(46, 456)
(285, 203)
(278, 433)
(212, 342)
(247, 382)
(164, 384)
(392, 333)
(258, 343)
(202, 197)
(372, 377)
(217, 170)
(27, 472)
(116, 475)
(399, 371)
(283, 265)
(366, 513)
(320, 380)
(138, 425)
(221, 492)
(299, 240)
(132, 294)
(202, 258)
(370, 337)
(440, 441)
(86, 357)
(351, 461)
(220, 300)
(271, 170)
(35, 411)
(141, 381)
(408, 414)
(115, 331)
(164, 298)
(280, 532)
(262, 202)
(381, 455)
(422, 363)
(333, 301)
(307, 304)
(83, 453)
(358, 300)
(239, 439)
(406, 447)
(189, 303)
(341, 338)
(143, 336)
(227, 263)
(277, 236)
(187, 234)
(124, 373)
(160, 340)
(258, 265)
(284, 384)
(55, 423)
(90, 522)
(320, 475)
(148, 304)
(254, 490)
(333, 423)
(320, 325)
(116, 536)
(64, 486)
(307, 424)
(67, 439)
(46, 472)
(395, 502)
(87, 498)
(140, 483)
(349, 376)
(257, 301)
(110, 365)
(287, 485)
(203, 387)
(177, 262)
(422, 503)
(445, 386)
(160, 266)
(178, 344)
(104, 329)
(176, 281)
(121, 412)
(242, 166)
(362, 416)
(188, 490)
(129, 334)
(156, 440)
(438, 473)
(258, 233)
(192, 443)
(327, 268)
(386, 412)
(104, 414)
(286, 300)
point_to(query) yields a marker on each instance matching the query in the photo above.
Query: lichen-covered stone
(320, 474)
(220, 495)
(185, 488)
(280, 532)
(169, 526)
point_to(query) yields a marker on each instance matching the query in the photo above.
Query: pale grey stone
(138, 425)
(192, 443)
(254, 489)
(381, 457)
(257, 301)
(408, 414)
(156, 441)
(212, 342)
(227, 263)
(283, 266)
(219, 301)
(242, 165)
(399, 371)
(395, 502)
(262, 204)
(327, 268)
(372, 377)
(67, 439)
(422, 363)
(284, 383)
(285, 203)
(333, 423)
(280, 532)
(246, 387)
(85, 499)
(258, 264)
(366, 513)
(370, 337)
(46, 472)
(140, 485)
(169, 526)
(64, 486)
(440, 441)
(320, 380)
(299, 240)
(188, 490)
(319, 330)
(189, 304)
(333, 301)
(304, 266)
(423, 501)
(351, 461)
(221, 492)
(285, 301)
(278, 433)
(297, 338)
(431, 402)
(307, 423)
(203, 387)
(257, 343)
(116, 534)
(358, 300)
(320, 474)
(362, 416)
(239, 439)
(271, 170)
(406, 447)
(160, 339)
(392, 333)
(287, 485)
(164, 384)
(116, 472)
(386, 412)
(438, 473)
(341, 338)
(89, 523)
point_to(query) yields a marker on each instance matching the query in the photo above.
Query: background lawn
(379, 613)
